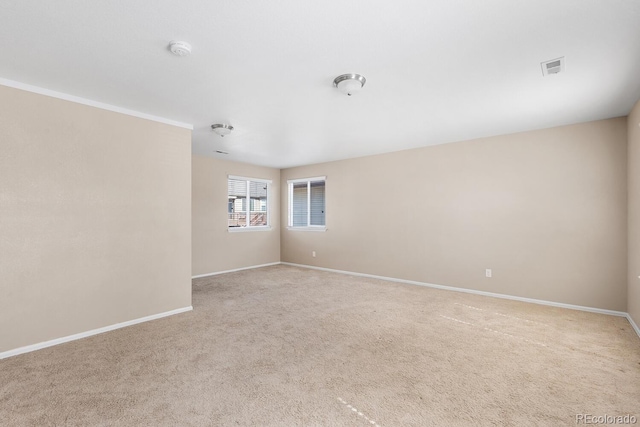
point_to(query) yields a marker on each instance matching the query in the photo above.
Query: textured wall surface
(633, 291)
(95, 218)
(545, 210)
(214, 247)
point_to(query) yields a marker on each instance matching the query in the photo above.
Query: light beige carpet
(284, 346)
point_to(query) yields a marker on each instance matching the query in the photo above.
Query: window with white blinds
(307, 203)
(247, 203)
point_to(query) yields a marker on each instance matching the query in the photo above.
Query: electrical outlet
(313, 254)
(488, 272)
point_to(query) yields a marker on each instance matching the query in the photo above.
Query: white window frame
(308, 227)
(250, 227)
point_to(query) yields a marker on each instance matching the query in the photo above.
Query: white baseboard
(45, 344)
(235, 269)
(473, 291)
(633, 324)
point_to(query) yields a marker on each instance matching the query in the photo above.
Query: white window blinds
(317, 203)
(300, 207)
(307, 202)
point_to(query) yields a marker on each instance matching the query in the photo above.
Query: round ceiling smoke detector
(180, 48)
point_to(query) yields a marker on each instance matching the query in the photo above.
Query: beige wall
(94, 218)
(545, 210)
(214, 248)
(633, 295)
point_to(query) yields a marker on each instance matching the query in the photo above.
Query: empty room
(294, 213)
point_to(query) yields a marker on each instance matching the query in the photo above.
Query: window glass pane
(299, 204)
(237, 193)
(317, 203)
(258, 196)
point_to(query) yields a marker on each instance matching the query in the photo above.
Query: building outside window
(307, 204)
(247, 203)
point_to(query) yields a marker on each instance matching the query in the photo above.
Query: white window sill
(243, 229)
(317, 228)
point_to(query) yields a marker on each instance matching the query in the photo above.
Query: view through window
(247, 202)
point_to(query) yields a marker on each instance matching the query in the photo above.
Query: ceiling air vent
(553, 67)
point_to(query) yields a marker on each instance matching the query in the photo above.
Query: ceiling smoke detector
(222, 130)
(552, 67)
(180, 48)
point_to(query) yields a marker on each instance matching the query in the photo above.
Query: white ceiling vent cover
(553, 67)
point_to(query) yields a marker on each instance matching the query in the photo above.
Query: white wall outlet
(313, 254)
(488, 272)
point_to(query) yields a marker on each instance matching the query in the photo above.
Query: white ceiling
(437, 71)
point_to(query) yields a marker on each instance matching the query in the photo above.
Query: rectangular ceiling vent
(552, 67)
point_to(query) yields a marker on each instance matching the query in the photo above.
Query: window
(247, 203)
(307, 203)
